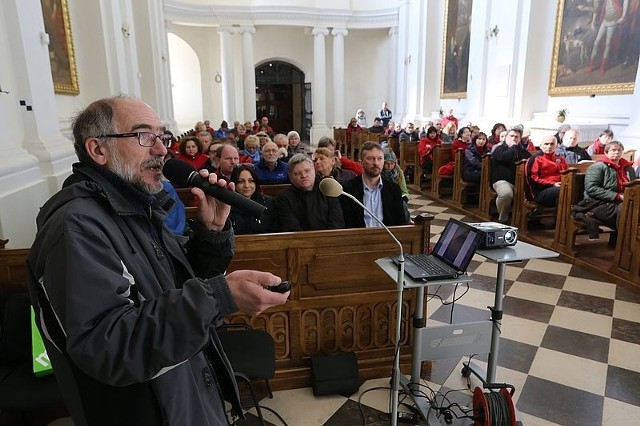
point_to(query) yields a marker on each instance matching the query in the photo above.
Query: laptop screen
(457, 244)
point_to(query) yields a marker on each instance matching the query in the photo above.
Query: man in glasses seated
(271, 169)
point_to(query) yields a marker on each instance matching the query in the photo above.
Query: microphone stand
(395, 378)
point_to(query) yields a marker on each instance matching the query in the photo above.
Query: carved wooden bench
(461, 187)
(441, 156)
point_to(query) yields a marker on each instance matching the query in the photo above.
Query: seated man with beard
(302, 207)
(379, 194)
(271, 169)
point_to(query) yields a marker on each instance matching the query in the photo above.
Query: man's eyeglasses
(146, 139)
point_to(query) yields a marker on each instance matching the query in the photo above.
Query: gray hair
(611, 144)
(95, 120)
(297, 159)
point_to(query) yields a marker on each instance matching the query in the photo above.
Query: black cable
(364, 417)
(275, 413)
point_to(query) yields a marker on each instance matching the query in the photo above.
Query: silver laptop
(450, 257)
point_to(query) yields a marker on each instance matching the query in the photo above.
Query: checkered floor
(570, 345)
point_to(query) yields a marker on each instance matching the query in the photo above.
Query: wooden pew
(409, 158)
(274, 189)
(626, 263)
(340, 136)
(340, 300)
(461, 188)
(441, 156)
(487, 195)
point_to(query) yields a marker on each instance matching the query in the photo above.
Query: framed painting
(455, 49)
(61, 54)
(596, 47)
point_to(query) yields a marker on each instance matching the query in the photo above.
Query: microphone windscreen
(330, 187)
(178, 172)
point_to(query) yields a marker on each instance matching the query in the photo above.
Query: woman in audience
(251, 151)
(263, 138)
(496, 130)
(327, 165)
(361, 118)
(393, 172)
(604, 190)
(223, 131)
(295, 147)
(425, 148)
(247, 184)
(560, 133)
(345, 162)
(473, 158)
(462, 141)
(597, 147)
(449, 132)
(190, 151)
(353, 127)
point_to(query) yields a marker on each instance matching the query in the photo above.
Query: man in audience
(302, 207)
(381, 196)
(345, 163)
(128, 313)
(229, 158)
(503, 170)
(385, 114)
(265, 122)
(213, 163)
(409, 134)
(543, 173)
(283, 146)
(377, 126)
(206, 140)
(271, 169)
(570, 150)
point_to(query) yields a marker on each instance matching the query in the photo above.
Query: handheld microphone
(184, 175)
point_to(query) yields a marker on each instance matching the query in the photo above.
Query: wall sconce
(493, 32)
(125, 29)
(218, 78)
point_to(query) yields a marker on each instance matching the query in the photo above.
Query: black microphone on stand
(183, 174)
(332, 188)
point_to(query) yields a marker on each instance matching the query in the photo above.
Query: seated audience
(409, 134)
(494, 138)
(377, 126)
(223, 131)
(473, 158)
(199, 127)
(461, 142)
(397, 130)
(271, 169)
(503, 170)
(526, 141)
(390, 128)
(248, 184)
(394, 173)
(302, 207)
(380, 195)
(597, 147)
(425, 148)
(205, 140)
(603, 189)
(210, 130)
(295, 147)
(213, 161)
(450, 118)
(263, 137)
(327, 164)
(345, 162)
(229, 159)
(361, 118)
(543, 173)
(282, 143)
(241, 135)
(251, 152)
(560, 133)
(352, 127)
(570, 150)
(264, 125)
(190, 151)
(449, 132)
(474, 131)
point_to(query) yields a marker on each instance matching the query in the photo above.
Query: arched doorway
(283, 97)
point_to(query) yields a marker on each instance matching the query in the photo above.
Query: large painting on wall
(455, 50)
(61, 54)
(596, 47)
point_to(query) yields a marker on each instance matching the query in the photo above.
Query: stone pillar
(392, 81)
(339, 118)
(228, 86)
(248, 74)
(319, 87)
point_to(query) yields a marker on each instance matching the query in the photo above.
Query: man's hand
(249, 294)
(212, 213)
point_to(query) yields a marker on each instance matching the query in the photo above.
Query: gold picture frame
(61, 53)
(576, 69)
(455, 49)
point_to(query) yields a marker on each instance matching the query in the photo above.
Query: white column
(393, 75)
(630, 136)
(319, 86)
(248, 74)
(228, 86)
(339, 118)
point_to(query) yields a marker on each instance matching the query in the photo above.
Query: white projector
(496, 235)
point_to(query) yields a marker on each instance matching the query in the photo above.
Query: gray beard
(129, 174)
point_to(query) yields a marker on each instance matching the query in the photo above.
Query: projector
(496, 235)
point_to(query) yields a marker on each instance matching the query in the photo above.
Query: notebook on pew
(450, 257)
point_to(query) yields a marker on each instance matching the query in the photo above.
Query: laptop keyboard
(427, 263)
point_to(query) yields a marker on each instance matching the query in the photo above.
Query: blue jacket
(277, 175)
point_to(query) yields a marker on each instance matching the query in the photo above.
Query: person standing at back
(385, 114)
(127, 313)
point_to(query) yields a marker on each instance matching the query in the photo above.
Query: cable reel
(493, 408)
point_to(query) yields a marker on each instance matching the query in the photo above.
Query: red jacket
(458, 143)
(196, 162)
(544, 170)
(425, 148)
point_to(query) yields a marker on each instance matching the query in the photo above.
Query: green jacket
(600, 182)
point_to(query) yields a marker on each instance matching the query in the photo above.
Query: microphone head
(178, 172)
(330, 187)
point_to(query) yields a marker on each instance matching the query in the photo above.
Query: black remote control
(283, 287)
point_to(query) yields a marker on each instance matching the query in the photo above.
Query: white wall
(186, 84)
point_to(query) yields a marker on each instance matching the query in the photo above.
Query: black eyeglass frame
(166, 139)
